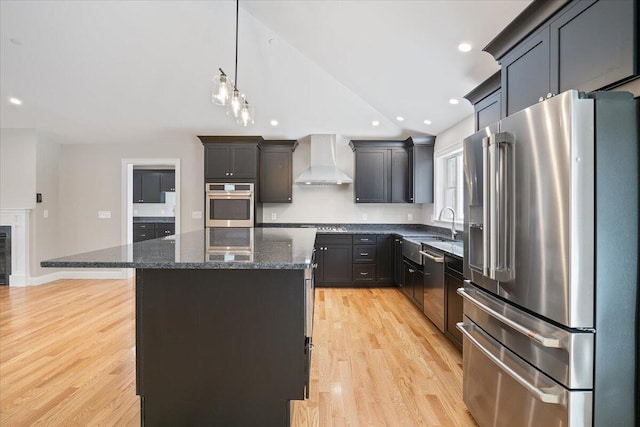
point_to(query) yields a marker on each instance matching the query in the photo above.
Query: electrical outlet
(409, 217)
(45, 213)
(365, 217)
(104, 214)
(274, 216)
(196, 214)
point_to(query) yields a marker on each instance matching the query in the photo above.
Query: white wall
(90, 181)
(17, 168)
(334, 203)
(45, 231)
(445, 141)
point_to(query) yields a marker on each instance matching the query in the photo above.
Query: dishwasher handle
(439, 259)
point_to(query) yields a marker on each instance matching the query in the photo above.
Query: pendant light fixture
(226, 93)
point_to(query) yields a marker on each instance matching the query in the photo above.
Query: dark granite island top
(223, 323)
(214, 248)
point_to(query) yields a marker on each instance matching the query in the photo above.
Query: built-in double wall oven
(229, 205)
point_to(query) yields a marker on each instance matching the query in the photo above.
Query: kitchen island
(223, 323)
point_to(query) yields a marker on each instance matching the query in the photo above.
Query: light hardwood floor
(67, 358)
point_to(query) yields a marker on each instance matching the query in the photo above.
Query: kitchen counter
(154, 219)
(223, 323)
(270, 248)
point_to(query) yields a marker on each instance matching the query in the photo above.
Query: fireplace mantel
(18, 220)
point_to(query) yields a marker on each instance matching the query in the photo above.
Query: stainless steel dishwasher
(433, 269)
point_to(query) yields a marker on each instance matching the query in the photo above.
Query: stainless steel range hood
(323, 169)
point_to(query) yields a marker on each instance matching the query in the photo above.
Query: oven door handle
(541, 395)
(549, 342)
(439, 259)
(215, 194)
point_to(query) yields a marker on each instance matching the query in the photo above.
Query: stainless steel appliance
(229, 204)
(550, 328)
(433, 269)
(230, 244)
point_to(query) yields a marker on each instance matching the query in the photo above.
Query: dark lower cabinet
(384, 258)
(334, 259)
(397, 260)
(414, 283)
(453, 280)
(152, 230)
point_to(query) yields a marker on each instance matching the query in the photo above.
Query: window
(448, 185)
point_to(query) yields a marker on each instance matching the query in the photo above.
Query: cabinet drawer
(333, 239)
(143, 226)
(364, 273)
(364, 253)
(141, 235)
(364, 239)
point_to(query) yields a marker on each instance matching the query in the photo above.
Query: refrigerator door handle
(502, 209)
(535, 391)
(545, 341)
(491, 197)
(486, 210)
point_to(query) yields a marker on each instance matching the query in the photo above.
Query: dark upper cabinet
(585, 45)
(593, 45)
(394, 171)
(167, 181)
(488, 111)
(276, 174)
(146, 186)
(525, 73)
(230, 158)
(401, 182)
(372, 178)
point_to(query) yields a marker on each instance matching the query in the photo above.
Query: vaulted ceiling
(141, 71)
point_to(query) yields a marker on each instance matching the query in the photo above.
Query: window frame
(441, 180)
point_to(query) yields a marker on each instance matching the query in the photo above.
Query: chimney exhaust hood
(323, 169)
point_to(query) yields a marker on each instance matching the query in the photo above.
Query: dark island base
(220, 347)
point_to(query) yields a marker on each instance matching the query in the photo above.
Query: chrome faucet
(453, 221)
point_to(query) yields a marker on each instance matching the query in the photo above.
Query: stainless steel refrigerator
(550, 321)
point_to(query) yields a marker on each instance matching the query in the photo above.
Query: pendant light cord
(235, 81)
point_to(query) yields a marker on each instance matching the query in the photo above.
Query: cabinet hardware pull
(364, 254)
(364, 274)
(231, 174)
(289, 198)
(411, 271)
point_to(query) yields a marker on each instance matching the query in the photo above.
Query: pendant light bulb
(246, 114)
(221, 89)
(236, 102)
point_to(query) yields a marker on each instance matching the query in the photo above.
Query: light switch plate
(365, 217)
(104, 214)
(274, 216)
(409, 217)
(196, 214)
(45, 213)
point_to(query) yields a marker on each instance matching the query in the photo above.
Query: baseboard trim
(116, 273)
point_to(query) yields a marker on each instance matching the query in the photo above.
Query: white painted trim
(111, 273)
(19, 221)
(127, 193)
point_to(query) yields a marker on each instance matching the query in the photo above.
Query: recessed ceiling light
(453, 101)
(400, 118)
(464, 47)
(274, 123)
(427, 122)
(375, 123)
(15, 101)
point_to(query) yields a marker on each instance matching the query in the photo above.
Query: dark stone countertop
(226, 248)
(154, 219)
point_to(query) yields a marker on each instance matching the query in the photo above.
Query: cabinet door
(384, 258)
(372, 175)
(275, 176)
(593, 45)
(400, 176)
(525, 73)
(407, 280)
(217, 161)
(454, 309)
(244, 162)
(168, 181)
(397, 260)
(337, 264)
(318, 273)
(143, 231)
(150, 187)
(487, 111)
(137, 186)
(165, 229)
